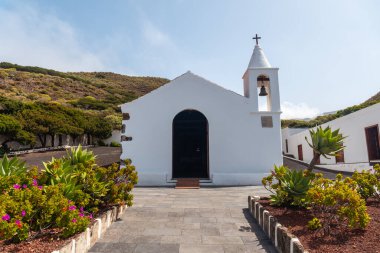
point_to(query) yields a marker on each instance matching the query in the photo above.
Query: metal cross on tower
(257, 39)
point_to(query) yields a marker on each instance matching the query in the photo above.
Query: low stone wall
(47, 149)
(84, 241)
(284, 241)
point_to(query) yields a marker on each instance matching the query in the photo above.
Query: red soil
(351, 241)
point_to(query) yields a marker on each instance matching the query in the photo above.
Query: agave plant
(14, 166)
(289, 187)
(324, 142)
(58, 171)
(296, 183)
(79, 156)
(62, 172)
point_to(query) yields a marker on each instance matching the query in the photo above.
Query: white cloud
(298, 111)
(30, 37)
(156, 37)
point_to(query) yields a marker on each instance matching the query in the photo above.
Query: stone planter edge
(82, 242)
(284, 241)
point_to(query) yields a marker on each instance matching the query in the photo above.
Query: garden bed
(51, 242)
(45, 243)
(295, 220)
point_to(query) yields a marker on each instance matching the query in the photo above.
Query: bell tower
(261, 81)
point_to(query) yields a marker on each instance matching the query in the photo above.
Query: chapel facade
(194, 128)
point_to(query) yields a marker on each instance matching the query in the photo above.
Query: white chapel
(194, 128)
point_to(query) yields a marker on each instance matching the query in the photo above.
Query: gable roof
(187, 74)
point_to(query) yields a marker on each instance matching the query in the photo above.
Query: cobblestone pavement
(168, 220)
(104, 156)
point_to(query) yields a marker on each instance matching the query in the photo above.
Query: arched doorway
(190, 145)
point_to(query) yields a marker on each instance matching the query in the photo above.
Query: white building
(362, 142)
(193, 128)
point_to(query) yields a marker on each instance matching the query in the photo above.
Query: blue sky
(328, 52)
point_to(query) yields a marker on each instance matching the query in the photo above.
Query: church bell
(263, 91)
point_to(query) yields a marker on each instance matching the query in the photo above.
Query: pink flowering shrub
(65, 195)
(35, 208)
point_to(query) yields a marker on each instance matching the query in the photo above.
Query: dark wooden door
(300, 153)
(190, 145)
(373, 145)
(339, 158)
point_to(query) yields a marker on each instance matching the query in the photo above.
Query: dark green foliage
(90, 103)
(24, 121)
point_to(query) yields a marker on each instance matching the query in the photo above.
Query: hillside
(36, 103)
(37, 84)
(374, 98)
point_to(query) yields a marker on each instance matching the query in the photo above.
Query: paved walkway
(209, 220)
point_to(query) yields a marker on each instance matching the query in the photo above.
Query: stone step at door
(187, 183)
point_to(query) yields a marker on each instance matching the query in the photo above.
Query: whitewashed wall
(352, 125)
(241, 152)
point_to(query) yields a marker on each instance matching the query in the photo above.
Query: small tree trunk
(60, 140)
(74, 138)
(42, 138)
(52, 140)
(88, 139)
(313, 162)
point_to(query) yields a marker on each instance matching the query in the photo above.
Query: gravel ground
(105, 156)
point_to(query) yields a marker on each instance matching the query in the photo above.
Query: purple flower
(81, 209)
(6, 217)
(74, 220)
(90, 216)
(40, 187)
(71, 208)
(16, 186)
(23, 213)
(35, 183)
(81, 215)
(24, 186)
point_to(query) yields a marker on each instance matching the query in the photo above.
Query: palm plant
(324, 142)
(14, 166)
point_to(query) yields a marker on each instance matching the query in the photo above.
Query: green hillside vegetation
(326, 118)
(37, 102)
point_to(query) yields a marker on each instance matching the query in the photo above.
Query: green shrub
(63, 196)
(31, 207)
(368, 182)
(289, 187)
(337, 205)
(314, 224)
(115, 144)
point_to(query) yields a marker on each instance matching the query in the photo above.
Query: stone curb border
(284, 241)
(84, 241)
(41, 150)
